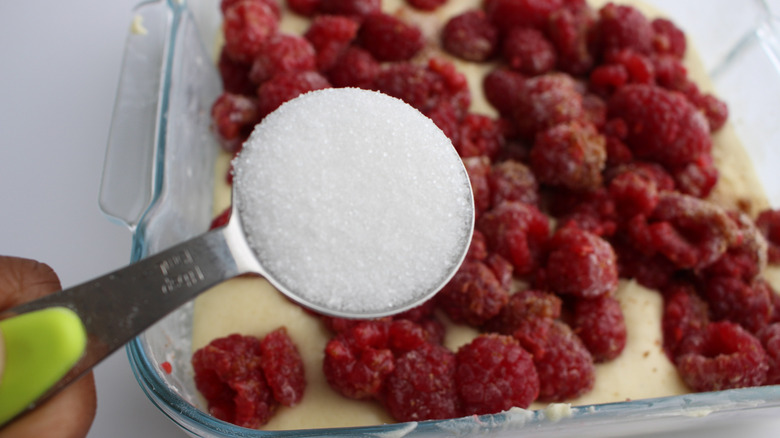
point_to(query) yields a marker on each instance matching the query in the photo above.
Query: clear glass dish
(159, 174)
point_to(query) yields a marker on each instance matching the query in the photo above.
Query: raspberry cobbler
(620, 250)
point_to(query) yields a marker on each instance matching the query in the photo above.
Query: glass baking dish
(158, 181)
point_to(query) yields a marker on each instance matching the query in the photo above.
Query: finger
(23, 280)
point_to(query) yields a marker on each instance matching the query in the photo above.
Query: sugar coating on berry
(354, 201)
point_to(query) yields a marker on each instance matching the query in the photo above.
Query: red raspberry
(493, 374)
(501, 87)
(331, 35)
(517, 232)
(668, 38)
(590, 211)
(283, 53)
(389, 38)
(355, 68)
(640, 68)
(307, 8)
(512, 180)
(283, 367)
(600, 324)
(405, 335)
(286, 86)
(529, 303)
(447, 118)
(470, 36)
(224, 5)
(768, 222)
(570, 155)
(528, 51)
(564, 365)
(670, 72)
(545, 101)
(422, 386)
(745, 258)
(569, 29)
(635, 187)
(478, 169)
(696, 178)
(770, 340)
(503, 270)
(229, 375)
(235, 75)
(595, 110)
(479, 135)
(234, 117)
(357, 361)
(248, 24)
(473, 295)
(477, 248)
(662, 125)
(607, 78)
(727, 357)
(653, 271)
(581, 264)
(506, 14)
(746, 303)
(356, 8)
(624, 27)
(221, 219)
(715, 110)
(425, 87)
(426, 5)
(685, 314)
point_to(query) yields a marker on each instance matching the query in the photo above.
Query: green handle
(40, 348)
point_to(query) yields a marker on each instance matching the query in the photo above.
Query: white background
(59, 68)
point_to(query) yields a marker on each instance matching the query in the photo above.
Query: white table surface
(59, 67)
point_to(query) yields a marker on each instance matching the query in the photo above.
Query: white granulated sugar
(353, 201)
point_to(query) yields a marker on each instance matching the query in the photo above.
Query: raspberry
(478, 169)
(446, 118)
(607, 78)
(715, 110)
(528, 51)
(235, 75)
(768, 222)
(473, 295)
(668, 38)
(545, 101)
(580, 264)
(234, 118)
(600, 325)
(283, 53)
(422, 386)
(529, 303)
(653, 271)
(662, 125)
(506, 14)
(635, 187)
(595, 109)
(639, 68)
(426, 5)
(224, 5)
(747, 257)
(493, 374)
(355, 68)
(501, 87)
(283, 367)
(331, 35)
(564, 365)
(221, 219)
(502, 269)
(512, 180)
(307, 8)
(517, 232)
(357, 361)
(746, 303)
(248, 24)
(388, 38)
(570, 155)
(685, 314)
(621, 27)
(405, 335)
(357, 8)
(591, 211)
(478, 135)
(425, 87)
(470, 36)
(229, 375)
(770, 340)
(286, 86)
(569, 29)
(728, 357)
(696, 178)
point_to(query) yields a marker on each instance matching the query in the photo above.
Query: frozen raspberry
(607, 78)
(580, 263)
(595, 109)
(221, 219)
(600, 324)
(426, 5)
(355, 68)
(478, 135)
(528, 51)
(357, 8)
(639, 68)
(522, 305)
(668, 38)
(478, 169)
(234, 117)
(283, 367)
(634, 188)
(473, 295)
(768, 222)
(235, 75)
(501, 87)
(470, 36)
(287, 86)
(307, 8)
(670, 72)
(229, 375)
(746, 303)
(405, 335)
(564, 365)
(591, 211)
(357, 361)
(517, 232)
(570, 155)
(512, 180)
(389, 38)
(506, 14)
(224, 5)
(696, 178)
(715, 110)
(545, 101)
(447, 118)
(653, 271)
(502, 269)
(331, 35)
(248, 24)
(621, 27)
(662, 125)
(493, 374)
(746, 257)
(727, 357)
(283, 53)
(770, 339)
(425, 87)
(422, 386)
(685, 314)
(569, 30)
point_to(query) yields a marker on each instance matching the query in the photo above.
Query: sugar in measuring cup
(350, 202)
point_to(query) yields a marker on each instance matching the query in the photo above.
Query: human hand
(68, 414)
